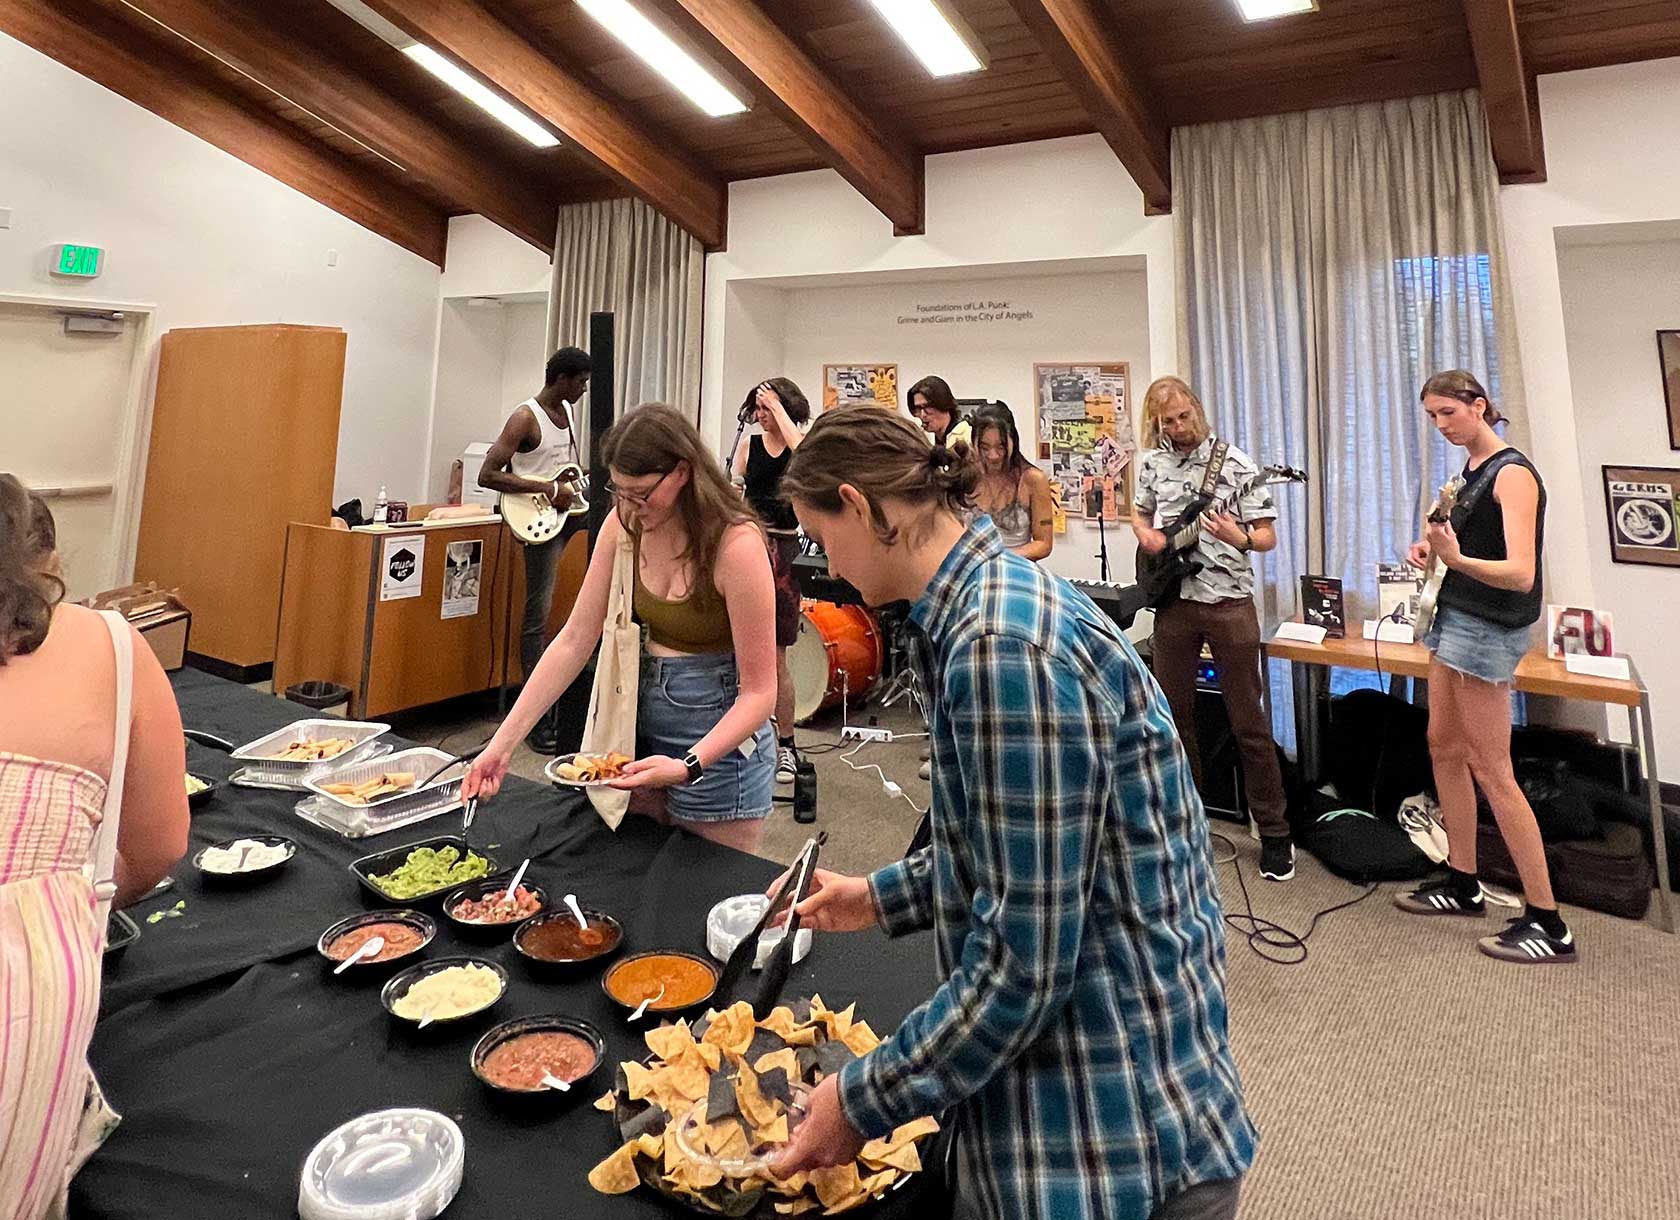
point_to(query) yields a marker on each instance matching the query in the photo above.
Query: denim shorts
(1474, 646)
(680, 700)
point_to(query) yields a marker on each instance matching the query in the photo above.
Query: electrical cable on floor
(1266, 938)
(889, 786)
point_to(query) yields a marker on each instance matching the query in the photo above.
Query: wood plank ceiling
(830, 85)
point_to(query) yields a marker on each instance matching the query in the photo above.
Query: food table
(1536, 674)
(230, 1050)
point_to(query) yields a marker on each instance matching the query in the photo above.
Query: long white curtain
(623, 256)
(1328, 263)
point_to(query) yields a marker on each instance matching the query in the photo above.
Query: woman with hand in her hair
(1077, 1041)
(704, 594)
(90, 745)
(780, 410)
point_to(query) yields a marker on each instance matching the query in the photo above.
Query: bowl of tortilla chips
(701, 1117)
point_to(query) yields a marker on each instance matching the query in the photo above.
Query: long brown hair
(1163, 392)
(885, 456)
(1463, 386)
(652, 439)
(28, 592)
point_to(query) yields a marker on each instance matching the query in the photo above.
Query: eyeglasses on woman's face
(636, 496)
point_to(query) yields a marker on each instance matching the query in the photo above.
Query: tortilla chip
(774, 1084)
(876, 1183)
(793, 1184)
(795, 1207)
(651, 1145)
(720, 1097)
(832, 1056)
(710, 1053)
(669, 1041)
(650, 1121)
(914, 1129)
(617, 1174)
(756, 1108)
(687, 1080)
(732, 1029)
(846, 1204)
(727, 1140)
(839, 1022)
(605, 1101)
(878, 1154)
(773, 1133)
(860, 1038)
(638, 1079)
(807, 1035)
(780, 1021)
(786, 1059)
(836, 1184)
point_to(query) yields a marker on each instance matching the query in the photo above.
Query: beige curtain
(623, 256)
(1328, 263)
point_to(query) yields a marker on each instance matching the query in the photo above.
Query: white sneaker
(787, 764)
(925, 771)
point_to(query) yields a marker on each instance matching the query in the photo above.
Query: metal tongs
(793, 890)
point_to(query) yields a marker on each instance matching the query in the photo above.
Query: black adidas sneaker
(1440, 898)
(1528, 944)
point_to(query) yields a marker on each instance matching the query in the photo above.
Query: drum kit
(840, 653)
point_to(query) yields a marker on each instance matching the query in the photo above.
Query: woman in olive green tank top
(705, 597)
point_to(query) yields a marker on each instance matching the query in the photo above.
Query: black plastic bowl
(478, 889)
(120, 933)
(250, 876)
(422, 924)
(197, 800)
(568, 965)
(400, 983)
(661, 1008)
(382, 862)
(541, 1024)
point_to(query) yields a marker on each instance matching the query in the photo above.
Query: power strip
(858, 732)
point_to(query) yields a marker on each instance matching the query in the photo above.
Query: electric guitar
(1434, 571)
(531, 515)
(1159, 576)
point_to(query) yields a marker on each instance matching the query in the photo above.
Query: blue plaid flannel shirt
(1079, 1038)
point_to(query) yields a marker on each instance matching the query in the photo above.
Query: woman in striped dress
(90, 740)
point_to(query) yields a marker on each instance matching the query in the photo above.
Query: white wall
(213, 242)
(1079, 317)
(1615, 298)
(523, 357)
(468, 407)
(485, 260)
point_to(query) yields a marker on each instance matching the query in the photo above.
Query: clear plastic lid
(734, 919)
(401, 1164)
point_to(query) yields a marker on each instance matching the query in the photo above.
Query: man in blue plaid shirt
(1078, 1043)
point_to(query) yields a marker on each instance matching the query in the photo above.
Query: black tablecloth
(229, 1050)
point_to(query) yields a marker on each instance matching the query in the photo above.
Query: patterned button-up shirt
(1079, 1037)
(1168, 481)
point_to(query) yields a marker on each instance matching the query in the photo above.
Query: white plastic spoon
(517, 878)
(368, 949)
(554, 1082)
(577, 911)
(425, 1019)
(642, 1007)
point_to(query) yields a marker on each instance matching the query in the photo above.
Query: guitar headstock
(1446, 499)
(1282, 474)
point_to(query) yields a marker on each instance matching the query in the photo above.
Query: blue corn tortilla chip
(801, 1010)
(720, 1097)
(650, 1121)
(774, 1084)
(764, 1042)
(832, 1056)
(699, 1026)
(807, 1056)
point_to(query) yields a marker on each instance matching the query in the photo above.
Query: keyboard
(1120, 602)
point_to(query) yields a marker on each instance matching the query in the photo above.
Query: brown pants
(1232, 631)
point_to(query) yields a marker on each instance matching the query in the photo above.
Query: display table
(1536, 674)
(230, 1050)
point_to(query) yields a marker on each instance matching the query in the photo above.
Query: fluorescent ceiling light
(929, 33)
(487, 99)
(1265, 10)
(625, 23)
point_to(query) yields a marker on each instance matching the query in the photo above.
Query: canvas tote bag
(611, 726)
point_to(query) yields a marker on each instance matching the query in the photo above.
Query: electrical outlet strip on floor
(857, 732)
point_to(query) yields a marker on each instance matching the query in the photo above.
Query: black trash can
(327, 697)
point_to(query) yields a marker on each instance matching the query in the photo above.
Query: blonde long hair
(1163, 392)
(652, 439)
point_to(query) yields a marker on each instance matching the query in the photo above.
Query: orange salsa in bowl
(686, 978)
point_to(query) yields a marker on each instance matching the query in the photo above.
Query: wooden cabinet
(244, 441)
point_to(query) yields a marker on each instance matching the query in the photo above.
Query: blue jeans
(1475, 646)
(680, 700)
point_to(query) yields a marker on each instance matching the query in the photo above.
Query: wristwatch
(695, 770)
(1248, 541)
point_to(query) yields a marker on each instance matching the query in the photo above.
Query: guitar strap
(1216, 464)
(1498, 461)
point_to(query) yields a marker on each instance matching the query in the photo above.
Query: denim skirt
(680, 700)
(1473, 645)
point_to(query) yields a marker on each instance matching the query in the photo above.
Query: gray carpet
(1397, 1073)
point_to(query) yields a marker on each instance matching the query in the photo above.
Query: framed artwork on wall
(1643, 504)
(1085, 439)
(1668, 354)
(847, 384)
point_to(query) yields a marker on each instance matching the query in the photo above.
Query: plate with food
(405, 775)
(306, 744)
(704, 1114)
(405, 933)
(583, 770)
(422, 871)
(246, 858)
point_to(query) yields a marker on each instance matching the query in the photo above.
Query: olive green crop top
(698, 623)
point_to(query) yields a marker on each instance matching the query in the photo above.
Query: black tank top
(1481, 535)
(764, 484)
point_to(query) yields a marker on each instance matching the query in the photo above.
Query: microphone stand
(1102, 534)
(740, 431)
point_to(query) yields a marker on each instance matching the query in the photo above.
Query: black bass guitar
(1159, 576)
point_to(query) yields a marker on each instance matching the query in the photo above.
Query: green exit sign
(81, 261)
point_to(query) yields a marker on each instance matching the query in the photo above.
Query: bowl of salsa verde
(553, 939)
(687, 979)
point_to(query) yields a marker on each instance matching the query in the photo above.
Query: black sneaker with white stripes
(1440, 898)
(1528, 944)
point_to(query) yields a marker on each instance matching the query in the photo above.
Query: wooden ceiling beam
(1079, 41)
(597, 127)
(129, 62)
(881, 168)
(1508, 91)
(242, 36)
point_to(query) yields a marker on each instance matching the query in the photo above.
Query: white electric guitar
(1434, 571)
(531, 515)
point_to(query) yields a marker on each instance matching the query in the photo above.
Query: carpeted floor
(1397, 1073)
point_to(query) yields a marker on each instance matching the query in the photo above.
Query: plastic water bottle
(381, 507)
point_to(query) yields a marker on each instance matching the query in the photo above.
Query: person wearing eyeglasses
(704, 594)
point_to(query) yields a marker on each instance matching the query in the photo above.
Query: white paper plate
(551, 772)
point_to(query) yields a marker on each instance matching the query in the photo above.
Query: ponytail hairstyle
(1459, 384)
(653, 439)
(28, 590)
(884, 456)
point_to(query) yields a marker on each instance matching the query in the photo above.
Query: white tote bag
(611, 726)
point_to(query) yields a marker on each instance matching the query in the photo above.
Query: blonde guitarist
(538, 438)
(1490, 545)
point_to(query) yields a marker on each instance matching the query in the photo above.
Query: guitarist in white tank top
(538, 437)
